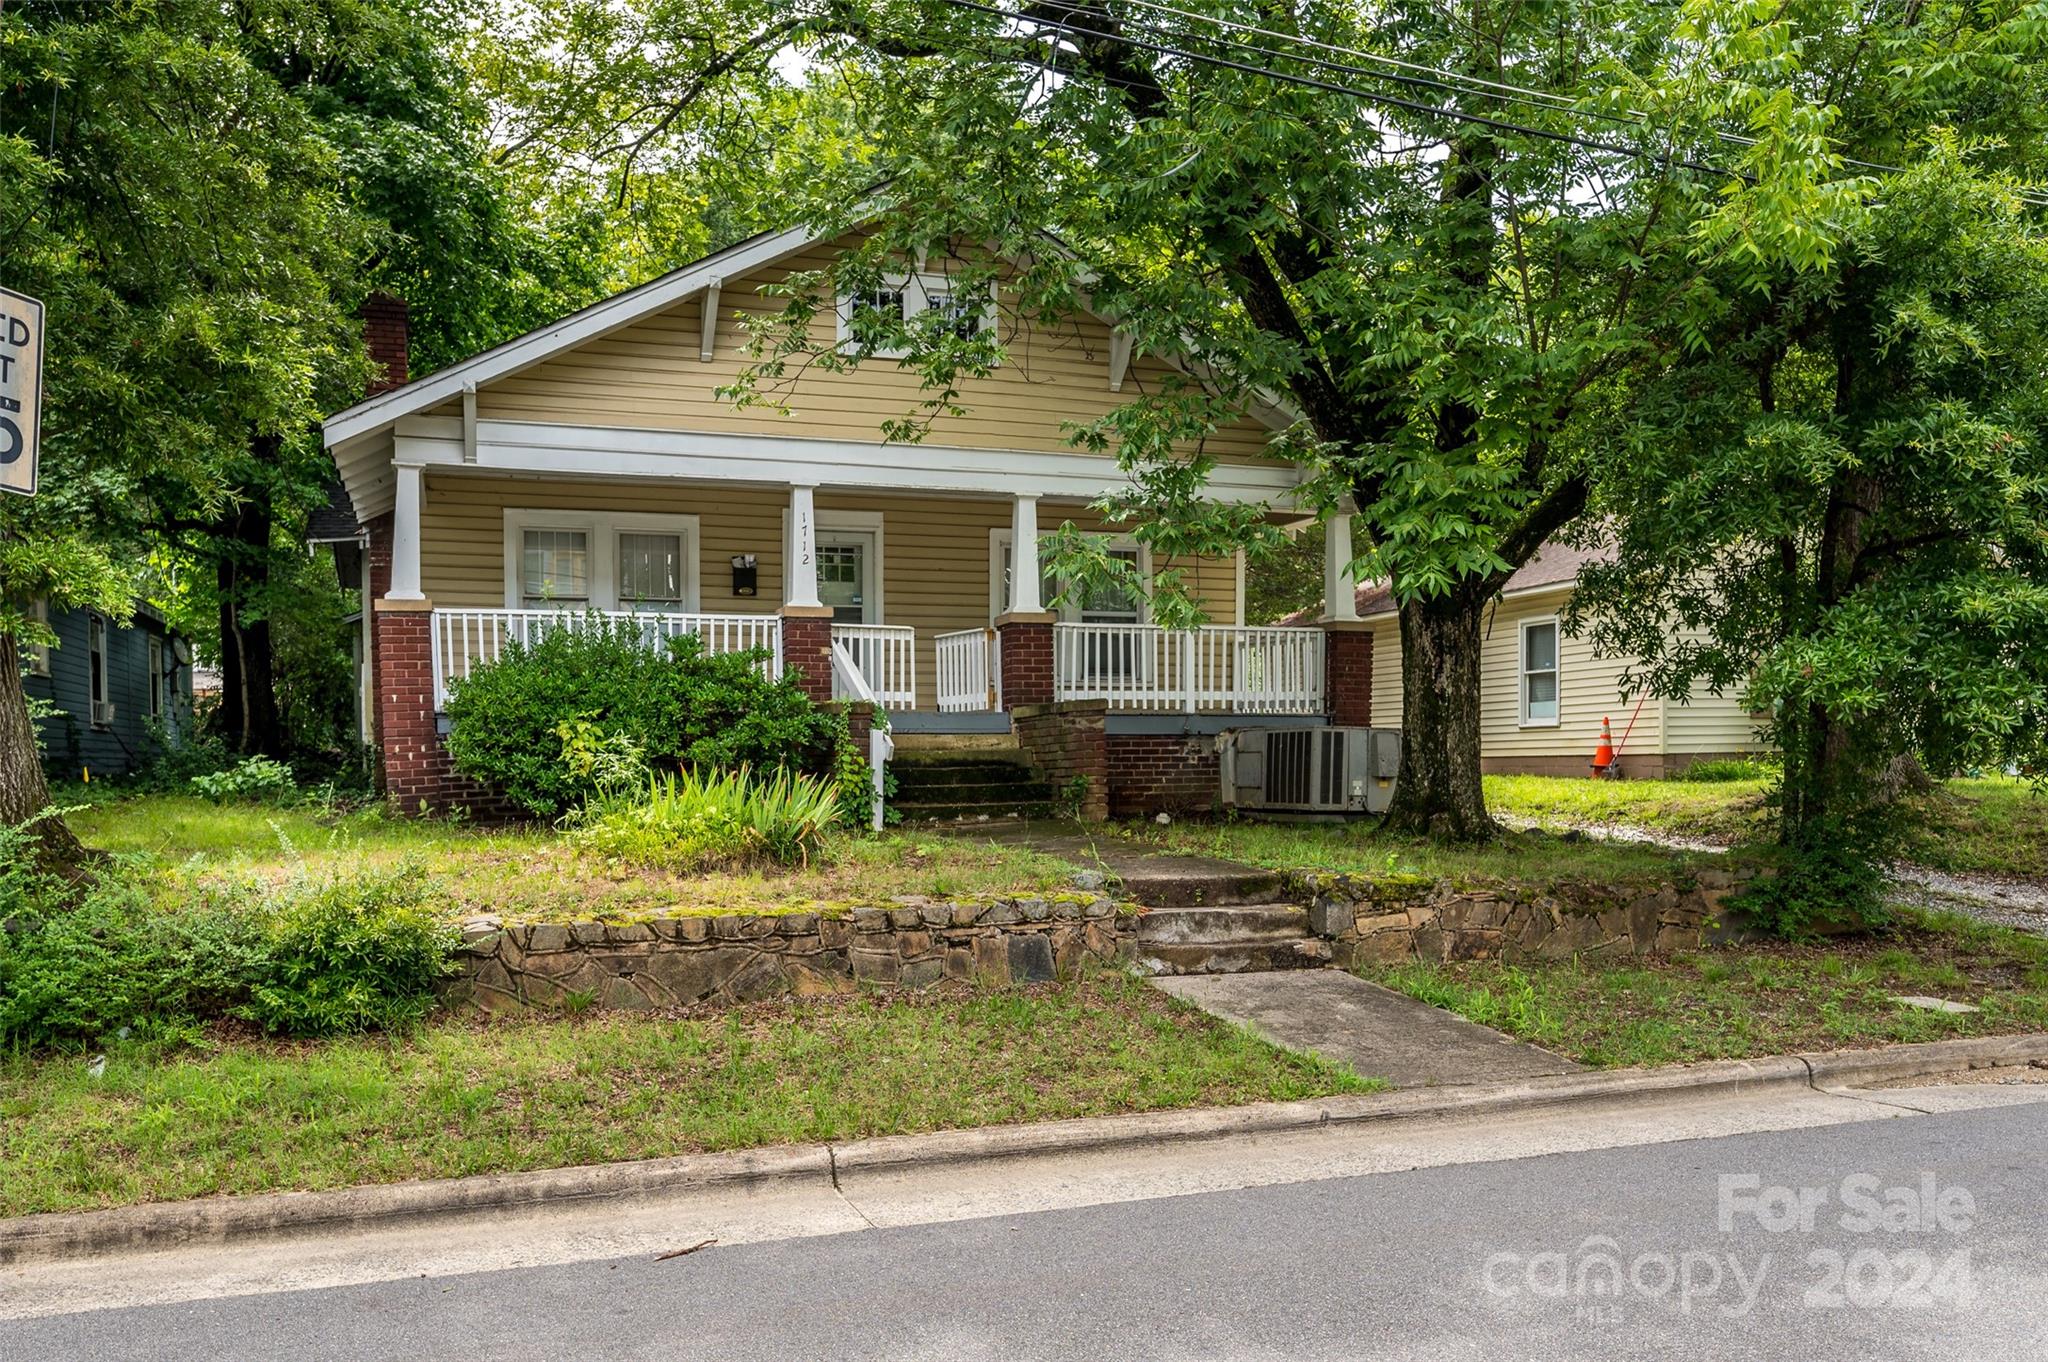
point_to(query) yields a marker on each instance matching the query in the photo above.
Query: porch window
(1539, 673)
(555, 569)
(651, 572)
(1105, 604)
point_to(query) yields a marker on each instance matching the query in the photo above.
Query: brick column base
(807, 649)
(1347, 673)
(1025, 648)
(415, 764)
(1065, 743)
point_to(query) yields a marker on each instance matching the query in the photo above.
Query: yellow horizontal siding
(650, 375)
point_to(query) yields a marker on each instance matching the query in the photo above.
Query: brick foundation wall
(1064, 741)
(1153, 773)
(1634, 765)
(1026, 651)
(1347, 676)
(416, 774)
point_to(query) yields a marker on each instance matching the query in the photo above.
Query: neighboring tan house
(110, 683)
(1544, 693)
(592, 465)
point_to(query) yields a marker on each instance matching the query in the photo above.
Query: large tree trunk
(1438, 794)
(248, 716)
(24, 794)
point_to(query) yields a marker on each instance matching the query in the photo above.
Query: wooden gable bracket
(1119, 358)
(709, 343)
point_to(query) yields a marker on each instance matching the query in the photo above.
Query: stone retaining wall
(1398, 918)
(737, 958)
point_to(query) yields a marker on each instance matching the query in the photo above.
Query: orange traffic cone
(1603, 755)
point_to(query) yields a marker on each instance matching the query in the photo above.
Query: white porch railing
(886, 656)
(970, 671)
(1238, 669)
(849, 684)
(464, 640)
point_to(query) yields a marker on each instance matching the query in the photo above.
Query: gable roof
(599, 319)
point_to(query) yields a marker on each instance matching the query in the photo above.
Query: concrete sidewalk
(1378, 1032)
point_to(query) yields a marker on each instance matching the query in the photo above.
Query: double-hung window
(156, 677)
(554, 569)
(96, 669)
(573, 561)
(1539, 673)
(37, 655)
(872, 320)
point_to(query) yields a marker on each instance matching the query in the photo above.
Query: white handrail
(1231, 668)
(886, 657)
(463, 640)
(968, 664)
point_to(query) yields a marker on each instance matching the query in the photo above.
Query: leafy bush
(1832, 880)
(350, 954)
(681, 707)
(705, 818)
(256, 778)
(314, 956)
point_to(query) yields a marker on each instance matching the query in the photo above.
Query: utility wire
(1449, 82)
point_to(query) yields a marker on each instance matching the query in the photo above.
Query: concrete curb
(45, 1238)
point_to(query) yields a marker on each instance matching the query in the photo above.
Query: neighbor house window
(37, 655)
(96, 662)
(554, 569)
(156, 677)
(1539, 672)
(651, 572)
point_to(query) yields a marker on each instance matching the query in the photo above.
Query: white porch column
(1024, 590)
(800, 580)
(1340, 592)
(405, 536)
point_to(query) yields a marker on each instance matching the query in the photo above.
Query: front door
(845, 561)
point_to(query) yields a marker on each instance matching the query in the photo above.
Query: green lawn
(1715, 811)
(1995, 826)
(1743, 1001)
(1532, 858)
(466, 1096)
(526, 872)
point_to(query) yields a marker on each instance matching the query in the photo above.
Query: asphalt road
(1495, 1260)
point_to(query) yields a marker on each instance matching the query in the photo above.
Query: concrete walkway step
(1249, 955)
(1378, 1032)
(1196, 926)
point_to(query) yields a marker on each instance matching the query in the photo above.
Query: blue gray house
(113, 683)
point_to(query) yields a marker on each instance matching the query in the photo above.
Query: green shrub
(1833, 880)
(312, 957)
(114, 962)
(706, 818)
(681, 707)
(254, 778)
(350, 954)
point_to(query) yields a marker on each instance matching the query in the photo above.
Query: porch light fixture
(743, 575)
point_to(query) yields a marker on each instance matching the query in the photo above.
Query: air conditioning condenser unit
(1315, 771)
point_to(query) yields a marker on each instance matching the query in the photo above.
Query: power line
(1450, 82)
(1431, 110)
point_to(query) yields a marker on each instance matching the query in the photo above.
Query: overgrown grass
(527, 872)
(1996, 826)
(1532, 858)
(1737, 1002)
(1713, 811)
(464, 1096)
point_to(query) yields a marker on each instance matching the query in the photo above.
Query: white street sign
(21, 391)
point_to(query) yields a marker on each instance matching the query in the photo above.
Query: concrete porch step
(934, 774)
(1215, 926)
(920, 812)
(918, 745)
(1231, 957)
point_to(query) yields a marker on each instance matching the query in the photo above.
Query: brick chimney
(384, 335)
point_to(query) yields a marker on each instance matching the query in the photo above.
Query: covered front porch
(918, 605)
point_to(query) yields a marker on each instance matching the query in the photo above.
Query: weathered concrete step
(1205, 926)
(1231, 957)
(948, 784)
(1167, 883)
